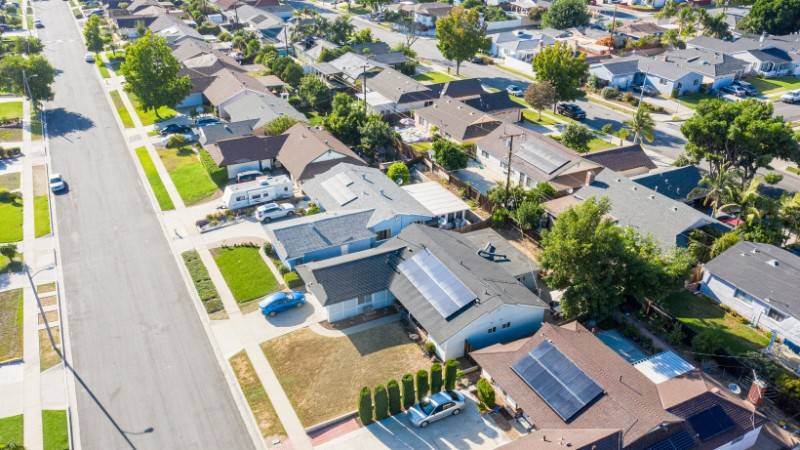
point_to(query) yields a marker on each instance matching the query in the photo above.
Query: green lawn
(149, 117)
(533, 116)
(160, 191)
(188, 174)
(548, 117)
(11, 430)
(10, 324)
(10, 110)
(422, 147)
(598, 144)
(54, 429)
(124, 115)
(691, 100)
(202, 282)
(434, 77)
(701, 313)
(769, 86)
(101, 65)
(11, 221)
(247, 275)
(41, 215)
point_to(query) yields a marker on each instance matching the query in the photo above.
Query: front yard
(156, 184)
(769, 86)
(245, 272)
(54, 429)
(10, 110)
(692, 100)
(701, 314)
(190, 177)
(257, 398)
(10, 325)
(149, 117)
(433, 77)
(10, 218)
(341, 366)
(11, 430)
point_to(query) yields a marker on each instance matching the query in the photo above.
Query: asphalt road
(136, 340)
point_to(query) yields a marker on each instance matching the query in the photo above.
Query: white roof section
(436, 198)
(663, 367)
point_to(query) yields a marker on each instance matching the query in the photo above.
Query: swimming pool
(622, 345)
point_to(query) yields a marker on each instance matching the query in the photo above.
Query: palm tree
(719, 190)
(789, 211)
(642, 126)
(686, 20)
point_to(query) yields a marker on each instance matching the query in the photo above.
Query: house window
(484, 154)
(491, 330)
(696, 82)
(241, 198)
(384, 234)
(744, 296)
(662, 81)
(256, 196)
(776, 315)
(364, 299)
(506, 325)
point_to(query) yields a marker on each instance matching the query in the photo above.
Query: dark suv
(571, 110)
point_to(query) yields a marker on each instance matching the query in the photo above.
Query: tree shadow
(61, 122)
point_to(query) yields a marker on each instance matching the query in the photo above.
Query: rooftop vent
(675, 208)
(773, 262)
(652, 197)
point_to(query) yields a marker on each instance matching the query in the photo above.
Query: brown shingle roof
(457, 120)
(622, 159)
(229, 83)
(305, 144)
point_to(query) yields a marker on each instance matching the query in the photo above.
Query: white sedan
(791, 97)
(57, 183)
(514, 90)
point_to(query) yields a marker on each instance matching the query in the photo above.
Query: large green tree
(15, 70)
(563, 14)
(738, 135)
(92, 34)
(375, 134)
(345, 118)
(565, 70)
(773, 17)
(449, 154)
(460, 35)
(151, 73)
(314, 92)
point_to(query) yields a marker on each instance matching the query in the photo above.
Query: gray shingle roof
(399, 87)
(263, 106)
(708, 63)
(745, 265)
(724, 46)
(244, 149)
(492, 102)
(645, 210)
(775, 55)
(664, 69)
(212, 134)
(622, 66)
(469, 87)
(457, 120)
(676, 183)
(299, 236)
(518, 263)
(372, 189)
(228, 83)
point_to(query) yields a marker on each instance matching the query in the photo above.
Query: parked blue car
(281, 301)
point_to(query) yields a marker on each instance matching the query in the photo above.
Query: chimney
(756, 393)
(589, 177)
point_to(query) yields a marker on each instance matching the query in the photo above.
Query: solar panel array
(545, 161)
(557, 380)
(711, 422)
(338, 188)
(436, 283)
(681, 440)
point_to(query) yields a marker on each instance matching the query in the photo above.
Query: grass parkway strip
(159, 190)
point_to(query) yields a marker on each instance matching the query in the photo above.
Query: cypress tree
(381, 403)
(422, 384)
(436, 378)
(409, 394)
(394, 397)
(365, 406)
(450, 374)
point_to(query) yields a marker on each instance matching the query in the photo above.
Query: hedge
(436, 378)
(394, 397)
(365, 406)
(408, 390)
(381, 403)
(292, 280)
(202, 281)
(422, 384)
(486, 393)
(450, 374)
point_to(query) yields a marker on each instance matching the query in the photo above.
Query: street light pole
(27, 86)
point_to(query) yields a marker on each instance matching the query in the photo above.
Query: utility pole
(364, 86)
(613, 27)
(510, 143)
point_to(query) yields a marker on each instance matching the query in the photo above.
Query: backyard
(341, 367)
(257, 398)
(701, 314)
(245, 272)
(189, 176)
(156, 184)
(11, 430)
(149, 117)
(10, 325)
(769, 86)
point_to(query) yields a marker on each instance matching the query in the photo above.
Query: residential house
(648, 212)
(628, 160)
(499, 250)
(310, 151)
(455, 120)
(352, 66)
(229, 85)
(458, 89)
(498, 105)
(718, 69)
(519, 44)
(677, 183)
(347, 186)
(447, 209)
(768, 56)
(211, 134)
(263, 106)
(227, 5)
(173, 30)
(212, 62)
(639, 29)
(574, 391)
(320, 236)
(200, 82)
(246, 153)
(266, 24)
(426, 14)
(524, 7)
(761, 282)
(458, 299)
(391, 92)
(669, 78)
(621, 73)
(535, 158)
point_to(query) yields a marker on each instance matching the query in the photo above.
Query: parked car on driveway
(513, 89)
(734, 90)
(272, 211)
(281, 301)
(645, 89)
(175, 128)
(206, 121)
(571, 110)
(748, 87)
(187, 137)
(791, 97)
(57, 183)
(436, 407)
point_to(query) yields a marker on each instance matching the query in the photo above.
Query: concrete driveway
(467, 431)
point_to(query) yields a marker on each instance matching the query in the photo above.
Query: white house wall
(349, 308)
(748, 440)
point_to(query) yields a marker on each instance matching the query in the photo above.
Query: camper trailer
(261, 190)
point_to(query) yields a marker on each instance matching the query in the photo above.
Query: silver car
(436, 407)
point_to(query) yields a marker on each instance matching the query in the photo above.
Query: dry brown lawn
(47, 356)
(322, 375)
(10, 324)
(256, 396)
(45, 288)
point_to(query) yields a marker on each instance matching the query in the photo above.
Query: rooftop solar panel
(711, 422)
(437, 283)
(681, 440)
(557, 380)
(541, 159)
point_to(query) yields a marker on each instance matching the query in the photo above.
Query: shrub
(7, 196)
(430, 348)
(706, 342)
(381, 403)
(398, 171)
(175, 141)
(283, 269)
(394, 397)
(449, 154)
(312, 209)
(292, 280)
(436, 377)
(8, 153)
(450, 374)
(675, 335)
(409, 393)
(500, 216)
(422, 384)
(486, 393)
(269, 250)
(629, 98)
(365, 406)
(577, 137)
(609, 93)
